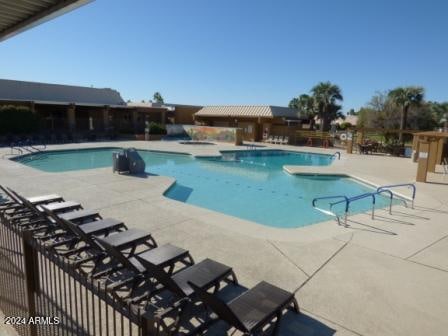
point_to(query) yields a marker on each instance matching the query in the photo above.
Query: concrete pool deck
(387, 276)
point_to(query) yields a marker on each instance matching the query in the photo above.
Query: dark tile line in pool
(273, 150)
(42, 153)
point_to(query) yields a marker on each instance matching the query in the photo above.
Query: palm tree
(440, 112)
(305, 106)
(405, 97)
(157, 97)
(326, 95)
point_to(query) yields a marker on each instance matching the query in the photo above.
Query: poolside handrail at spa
(391, 197)
(348, 201)
(330, 197)
(329, 212)
(409, 185)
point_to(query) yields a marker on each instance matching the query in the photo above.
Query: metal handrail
(391, 196)
(38, 149)
(328, 212)
(26, 146)
(19, 149)
(356, 198)
(329, 197)
(349, 200)
(338, 153)
(409, 185)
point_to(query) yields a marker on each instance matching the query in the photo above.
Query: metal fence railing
(41, 293)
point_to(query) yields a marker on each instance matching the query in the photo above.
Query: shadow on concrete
(142, 175)
(404, 214)
(421, 208)
(438, 183)
(369, 228)
(393, 220)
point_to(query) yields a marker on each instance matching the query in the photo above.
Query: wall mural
(201, 133)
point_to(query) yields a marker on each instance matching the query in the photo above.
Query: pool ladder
(372, 195)
(25, 147)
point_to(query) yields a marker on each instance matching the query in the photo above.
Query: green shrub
(155, 128)
(345, 125)
(17, 120)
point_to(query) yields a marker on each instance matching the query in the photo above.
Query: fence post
(149, 326)
(31, 276)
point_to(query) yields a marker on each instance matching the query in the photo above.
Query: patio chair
(33, 216)
(285, 140)
(59, 205)
(363, 149)
(165, 257)
(114, 232)
(275, 139)
(15, 203)
(269, 139)
(90, 221)
(253, 310)
(207, 274)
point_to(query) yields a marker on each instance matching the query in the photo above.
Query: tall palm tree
(326, 96)
(405, 97)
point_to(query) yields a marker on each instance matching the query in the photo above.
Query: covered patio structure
(429, 150)
(257, 122)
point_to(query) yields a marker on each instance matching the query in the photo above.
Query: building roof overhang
(20, 15)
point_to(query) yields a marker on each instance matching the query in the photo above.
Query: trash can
(120, 162)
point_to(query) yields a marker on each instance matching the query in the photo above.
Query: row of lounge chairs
(134, 269)
(281, 140)
(54, 138)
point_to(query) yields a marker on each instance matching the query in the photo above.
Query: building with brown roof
(256, 121)
(80, 109)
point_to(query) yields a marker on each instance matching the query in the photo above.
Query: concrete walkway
(387, 276)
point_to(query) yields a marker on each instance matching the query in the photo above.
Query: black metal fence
(41, 293)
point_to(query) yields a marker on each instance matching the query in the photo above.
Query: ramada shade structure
(429, 149)
(17, 16)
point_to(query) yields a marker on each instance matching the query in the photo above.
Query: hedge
(155, 128)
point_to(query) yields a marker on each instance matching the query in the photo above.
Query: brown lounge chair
(165, 256)
(36, 200)
(32, 216)
(14, 206)
(35, 218)
(77, 223)
(207, 274)
(122, 238)
(107, 239)
(253, 310)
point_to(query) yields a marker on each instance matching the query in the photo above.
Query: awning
(19, 15)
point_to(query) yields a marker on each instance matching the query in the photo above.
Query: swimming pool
(246, 184)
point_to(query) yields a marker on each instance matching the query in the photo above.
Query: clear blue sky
(238, 51)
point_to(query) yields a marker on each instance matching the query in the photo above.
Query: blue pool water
(248, 184)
